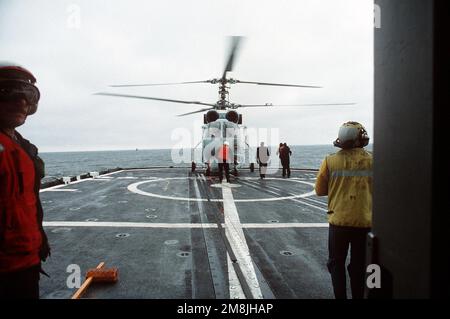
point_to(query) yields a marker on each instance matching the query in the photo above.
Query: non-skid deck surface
(176, 234)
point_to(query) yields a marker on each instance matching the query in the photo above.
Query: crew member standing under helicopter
(224, 158)
(346, 177)
(23, 242)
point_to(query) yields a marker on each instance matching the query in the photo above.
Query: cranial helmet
(11, 72)
(352, 135)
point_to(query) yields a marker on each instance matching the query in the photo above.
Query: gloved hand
(44, 250)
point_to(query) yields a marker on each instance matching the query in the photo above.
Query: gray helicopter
(221, 122)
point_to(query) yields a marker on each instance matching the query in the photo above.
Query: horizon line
(157, 149)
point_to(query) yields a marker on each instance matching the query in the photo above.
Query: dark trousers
(262, 170)
(286, 167)
(22, 284)
(225, 166)
(339, 240)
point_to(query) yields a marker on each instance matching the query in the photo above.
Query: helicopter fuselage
(216, 133)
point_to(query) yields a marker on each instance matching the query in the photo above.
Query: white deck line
(317, 201)
(293, 199)
(309, 199)
(177, 225)
(285, 225)
(238, 243)
(126, 224)
(76, 182)
(234, 285)
(112, 173)
(63, 190)
(134, 188)
(48, 189)
(310, 205)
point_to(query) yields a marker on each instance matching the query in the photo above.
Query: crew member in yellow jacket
(346, 178)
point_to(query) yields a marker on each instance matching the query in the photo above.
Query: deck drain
(274, 221)
(151, 216)
(183, 254)
(122, 201)
(61, 230)
(74, 208)
(122, 235)
(91, 219)
(286, 253)
(171, 242)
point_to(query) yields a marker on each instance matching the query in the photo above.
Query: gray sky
(76, 48)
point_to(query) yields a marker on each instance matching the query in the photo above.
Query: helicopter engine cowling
(211, 116)
(232, 116)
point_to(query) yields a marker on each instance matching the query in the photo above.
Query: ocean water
(59, 164)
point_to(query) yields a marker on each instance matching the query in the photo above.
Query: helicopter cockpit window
(230, 130)
(213, 131)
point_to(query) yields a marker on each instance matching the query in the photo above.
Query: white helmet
(352, 135)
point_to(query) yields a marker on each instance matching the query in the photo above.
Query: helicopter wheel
(235, 172)
(252, 167)
(193, 167)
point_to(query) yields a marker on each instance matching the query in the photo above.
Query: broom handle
(86, 284)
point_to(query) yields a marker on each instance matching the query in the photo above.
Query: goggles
(11, 90)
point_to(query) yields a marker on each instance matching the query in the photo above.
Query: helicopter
(221, 120)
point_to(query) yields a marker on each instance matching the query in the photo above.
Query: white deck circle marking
(225, 185)
(134, 189)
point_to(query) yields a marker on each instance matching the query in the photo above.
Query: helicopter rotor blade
(157, 84)
(279, 84)
(154, 98)
(276, 105)
(198, 111)
(235, 40)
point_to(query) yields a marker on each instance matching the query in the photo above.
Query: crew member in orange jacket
(224, 158)
(23, 242)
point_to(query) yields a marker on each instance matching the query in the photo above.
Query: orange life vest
(224, 154)
(20, 234)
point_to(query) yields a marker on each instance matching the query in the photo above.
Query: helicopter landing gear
(235, 172)
(208, 170)
(193, 167)
(252, 167)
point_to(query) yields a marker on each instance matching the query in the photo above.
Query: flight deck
(175, 234)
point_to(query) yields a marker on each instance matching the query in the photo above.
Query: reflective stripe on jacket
(20, 234)
(346, 177)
